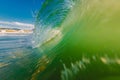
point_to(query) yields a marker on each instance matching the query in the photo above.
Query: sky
(18, 11)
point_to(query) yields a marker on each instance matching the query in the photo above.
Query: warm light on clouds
(19, 25)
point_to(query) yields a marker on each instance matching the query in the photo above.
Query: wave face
(80, 39)
(50, 18)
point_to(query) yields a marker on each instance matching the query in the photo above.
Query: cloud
(18, 25)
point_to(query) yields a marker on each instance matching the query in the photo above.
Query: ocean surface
(13, 42)
(14, 51)
(72, 40)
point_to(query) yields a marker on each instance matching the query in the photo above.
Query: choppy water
(13, 49)
(12, 43)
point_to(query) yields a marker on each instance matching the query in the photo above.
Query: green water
(85, 45)
(111, 78)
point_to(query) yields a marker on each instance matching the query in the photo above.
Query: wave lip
(49, 19)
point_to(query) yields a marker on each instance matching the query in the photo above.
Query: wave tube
(81, 38)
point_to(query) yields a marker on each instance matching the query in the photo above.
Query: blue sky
(18, 11)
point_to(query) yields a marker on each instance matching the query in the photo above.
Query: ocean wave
(72, 40)
(86, 28)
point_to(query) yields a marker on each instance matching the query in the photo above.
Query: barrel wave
(72, 40)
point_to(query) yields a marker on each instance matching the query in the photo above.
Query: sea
(11, 43)
(15, 56)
